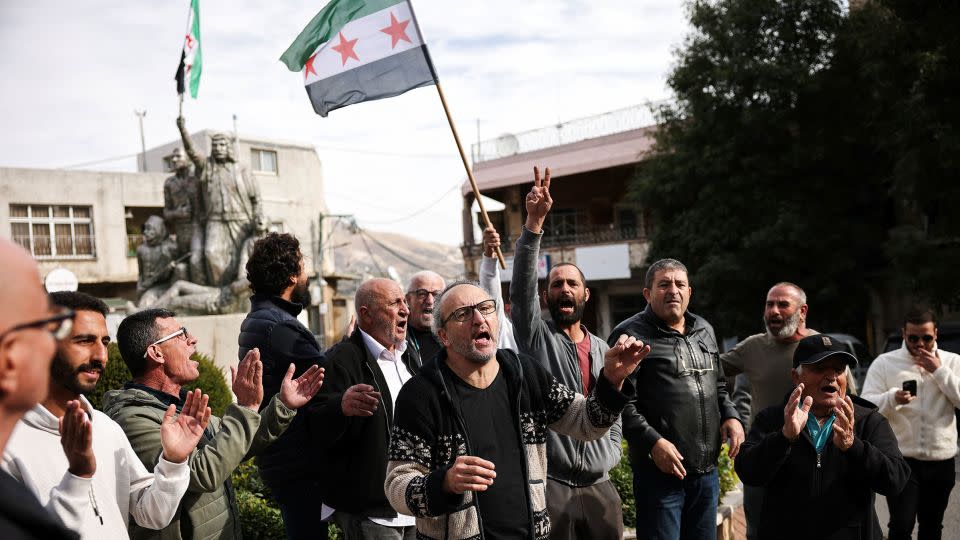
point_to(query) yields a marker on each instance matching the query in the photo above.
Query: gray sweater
(571, 461)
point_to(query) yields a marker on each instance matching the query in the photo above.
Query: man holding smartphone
(917, 388)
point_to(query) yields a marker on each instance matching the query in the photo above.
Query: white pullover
(926, 428)
(99, 507)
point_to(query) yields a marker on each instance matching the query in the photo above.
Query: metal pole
(143, 143)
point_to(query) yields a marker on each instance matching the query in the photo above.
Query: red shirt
(583, 354)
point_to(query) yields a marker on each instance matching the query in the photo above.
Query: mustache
(92, 366)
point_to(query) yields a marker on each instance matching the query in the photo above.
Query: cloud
(75, 72)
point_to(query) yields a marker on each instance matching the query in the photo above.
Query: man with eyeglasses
(351, 422)
(78, 461)
(917, 388)
(422, 294)
(580, 496)
(468, 450)
(28, 331)
(682, 413)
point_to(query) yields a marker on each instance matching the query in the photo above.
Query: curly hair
(275, 259)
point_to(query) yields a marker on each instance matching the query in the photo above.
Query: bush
(728, 477)
(211, 380)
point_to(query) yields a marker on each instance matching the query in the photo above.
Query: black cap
(813, 349)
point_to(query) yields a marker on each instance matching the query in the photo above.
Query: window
(564, 222)
(53, 232)
(264, 160)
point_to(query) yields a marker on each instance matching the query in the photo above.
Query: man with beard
(468, 450)
(422, 294)
(580, 496)
(279, 282)
(351, 423)
(766, 360)
(821, 455)
(92, 479)
(28, 333)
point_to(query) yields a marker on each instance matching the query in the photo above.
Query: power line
(99, 161)
(382, 153)
(370, 252)
(418, 212)
(391, 251)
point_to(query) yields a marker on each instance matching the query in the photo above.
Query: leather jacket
(681, 391)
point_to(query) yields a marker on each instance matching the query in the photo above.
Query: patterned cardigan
(428, 435)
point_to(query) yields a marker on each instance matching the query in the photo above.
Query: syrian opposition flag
(191, 61)
(360, 50)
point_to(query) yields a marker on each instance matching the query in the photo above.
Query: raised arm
(525, 312)
(191, 150)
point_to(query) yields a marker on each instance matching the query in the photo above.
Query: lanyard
(819, 433)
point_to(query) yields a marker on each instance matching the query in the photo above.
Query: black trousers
(922, 501)
(584, 512)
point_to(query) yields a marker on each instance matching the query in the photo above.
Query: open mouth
(829, 389)
(567, 305)
(481, 339)
(402, 325)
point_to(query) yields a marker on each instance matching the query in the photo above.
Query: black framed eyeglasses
(181, 332)
(58, 325)
(485, 308)
(913, 338)
(422, 294)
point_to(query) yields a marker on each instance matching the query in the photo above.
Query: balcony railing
(584, 236)
(60, 247)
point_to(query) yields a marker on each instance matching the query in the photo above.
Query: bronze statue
(156, 258)
(180, 210)
(229, 203)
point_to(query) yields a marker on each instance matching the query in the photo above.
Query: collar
(376, 349)
(163, 397)
(259, 301)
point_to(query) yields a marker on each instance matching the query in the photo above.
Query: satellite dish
(507, 145)
(61, 279)
(394, 275)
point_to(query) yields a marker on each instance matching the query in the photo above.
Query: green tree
(783, 157)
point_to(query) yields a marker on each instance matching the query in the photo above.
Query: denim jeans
(672, 509)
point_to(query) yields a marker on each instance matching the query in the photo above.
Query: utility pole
(143, 143)
(318, 266)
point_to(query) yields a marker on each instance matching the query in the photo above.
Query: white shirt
(490, 281)
(926, 427)
(396, 374)
(121, 488)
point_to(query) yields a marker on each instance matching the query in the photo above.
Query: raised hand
(360, 400)
(624, 357)
(795, 414)
(179, 434)
(469, 473)
(491, 241)
(668, 459)
(247, 380)
(926, 360)
(295, 393)
(538, 201)
(76, 438)
(843, 425)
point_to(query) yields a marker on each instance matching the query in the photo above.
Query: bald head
(25, 354)
(422, 294)
(785, 312)
(382, 312)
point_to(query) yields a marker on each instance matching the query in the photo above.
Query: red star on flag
(345, 48)
(308, 67)
(396, 30)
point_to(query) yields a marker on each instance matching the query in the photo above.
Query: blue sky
(75, 72)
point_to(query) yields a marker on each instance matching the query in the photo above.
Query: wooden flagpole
(466, 165)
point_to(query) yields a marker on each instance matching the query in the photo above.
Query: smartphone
(910, 386)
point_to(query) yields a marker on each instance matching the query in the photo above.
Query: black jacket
(23, 518)
(834, 500)
(272, 326)
(354, 448)
(681, 391)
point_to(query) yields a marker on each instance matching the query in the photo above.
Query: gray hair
(801, 294)
(423, 274)
(663, 264)
(438, 312)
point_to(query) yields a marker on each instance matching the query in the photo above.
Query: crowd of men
(440, 416)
